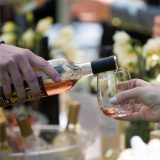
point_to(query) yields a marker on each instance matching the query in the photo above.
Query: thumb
(125, 96)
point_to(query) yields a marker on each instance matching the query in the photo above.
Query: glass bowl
(74, 151)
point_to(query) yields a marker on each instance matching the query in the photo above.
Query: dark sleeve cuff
(2, 42)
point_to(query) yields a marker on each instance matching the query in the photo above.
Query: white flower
(64, 43)
(121, 37)
(151, 52)
(152, 47)
(140, 151)
(44, 24)
(64, 37)
(124, 50)
(28, 39)
(9, 38)
(9, 27)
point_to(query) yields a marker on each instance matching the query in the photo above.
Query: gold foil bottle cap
(74, 107)
(3, 135)
(24, 125)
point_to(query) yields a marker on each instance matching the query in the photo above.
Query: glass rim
(50, 151)
(121, 69)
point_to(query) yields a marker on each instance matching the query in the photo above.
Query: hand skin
(145, 98)
(16, 64)
(91, 10)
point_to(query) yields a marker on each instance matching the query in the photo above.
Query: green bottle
(140, 128)
(5, 149)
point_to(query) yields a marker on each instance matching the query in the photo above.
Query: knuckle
(134, 79)
(26, 51)
(43, 62)
(23, 53)
(28, 71)
(31, 78)
(20, 55)
(138, 90)
(10, 61)
(6, 63)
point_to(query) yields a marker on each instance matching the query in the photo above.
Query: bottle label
(4, 101)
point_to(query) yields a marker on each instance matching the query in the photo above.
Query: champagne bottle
(4, 145)
(69, 135)
(69, 72)
(2, 116)
(5, 149)
(73, 114)
(31, 142)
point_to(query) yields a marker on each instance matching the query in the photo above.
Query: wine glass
(107, 88)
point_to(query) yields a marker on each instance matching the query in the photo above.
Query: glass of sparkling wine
(107, 88)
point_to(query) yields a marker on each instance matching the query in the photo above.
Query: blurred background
(81, 31)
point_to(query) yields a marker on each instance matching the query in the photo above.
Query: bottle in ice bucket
(4, 146)
(2, 116)
(69, 136)
(69, 72)
(31, 143)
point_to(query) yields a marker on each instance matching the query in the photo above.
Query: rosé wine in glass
(107, 88)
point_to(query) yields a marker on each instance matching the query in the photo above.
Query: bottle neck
(104, 64)
(24, 126)
(85, 69)
(2, 116)
(3, 135)
(98, 66)
(73, 113)
(72, 128)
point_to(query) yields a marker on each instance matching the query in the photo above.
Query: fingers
(17, 80)
(137, 114)
(131, 117)
(126, 95)
(16, 67)
(131, 84)
(29, 76)
(5, 81)
(44, 66)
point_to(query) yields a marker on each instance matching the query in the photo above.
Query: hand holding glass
(107, 88)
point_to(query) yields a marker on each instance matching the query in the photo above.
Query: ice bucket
(70, 152)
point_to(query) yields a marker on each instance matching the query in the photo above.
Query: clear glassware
(70, 152)
(107, 88)
(69, 73)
